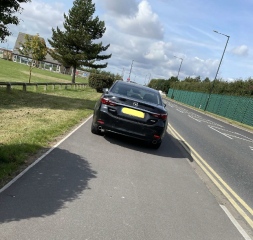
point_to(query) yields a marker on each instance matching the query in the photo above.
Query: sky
(152, 32)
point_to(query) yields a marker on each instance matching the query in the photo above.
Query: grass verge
(30, 120)
(16, 72)
(227, 120)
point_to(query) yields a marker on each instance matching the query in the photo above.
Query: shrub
(99, 81)
(162, 84)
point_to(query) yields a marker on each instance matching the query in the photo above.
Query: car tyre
(156, 146)
(94, 129)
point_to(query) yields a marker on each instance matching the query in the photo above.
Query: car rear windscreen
(137, 93)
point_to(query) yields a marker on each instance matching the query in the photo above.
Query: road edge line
(218, 185)
(244, 204)
(236, 224)
(44, 155)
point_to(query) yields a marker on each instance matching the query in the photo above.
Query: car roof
(137, 85)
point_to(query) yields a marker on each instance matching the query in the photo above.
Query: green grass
(215, 115)
(16, 72)
(30, 120)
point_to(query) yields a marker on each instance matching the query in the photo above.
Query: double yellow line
(216, 179)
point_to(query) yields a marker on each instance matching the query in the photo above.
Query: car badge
(135, 104)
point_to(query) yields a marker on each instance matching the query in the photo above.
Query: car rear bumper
(129, 128)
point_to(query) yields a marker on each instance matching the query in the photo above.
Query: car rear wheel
(156, 146)
(94, 129)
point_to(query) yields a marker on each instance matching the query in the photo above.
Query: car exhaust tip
(154, 142)
(100, 128)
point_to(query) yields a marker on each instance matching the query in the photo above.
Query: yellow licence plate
(133, 112)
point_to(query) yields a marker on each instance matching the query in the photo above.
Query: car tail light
(108, 102)
(102, 122)
(161, 116)
(156, 136)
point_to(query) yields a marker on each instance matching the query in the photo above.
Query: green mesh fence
(232, 107)
(239, 109)
(248, 117)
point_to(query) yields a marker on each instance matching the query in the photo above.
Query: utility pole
(180, 66)
(218, 69)
(177, 74)
(146, 79)
(122, 75)
(149, 78)
(131, 70)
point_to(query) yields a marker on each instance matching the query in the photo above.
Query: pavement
(112, 187)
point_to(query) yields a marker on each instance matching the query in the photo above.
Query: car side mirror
(105, 90)
(164, 105)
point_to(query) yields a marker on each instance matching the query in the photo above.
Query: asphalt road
(95, 187)
(227, 149)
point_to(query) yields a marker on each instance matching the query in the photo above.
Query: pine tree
(75, 45)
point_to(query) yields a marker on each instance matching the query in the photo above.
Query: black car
(131, 110)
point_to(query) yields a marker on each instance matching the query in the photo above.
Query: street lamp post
(217, 69)
(131, 69)
(122, 75)
(145, 80)
(149, 78)
(180, 65)
(178, 72)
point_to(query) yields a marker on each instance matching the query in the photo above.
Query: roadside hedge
(238, 87)
(162, 84)
(99, 81)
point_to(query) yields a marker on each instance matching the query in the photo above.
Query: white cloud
(230, 79)
(138, 38)
(153, 57)
(39, 17)
(241, 50)
(144, 24)
(120, 7)
(159, 51)
(201, 60)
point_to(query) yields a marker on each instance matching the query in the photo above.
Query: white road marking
(198, 120)
(44, 155)
(192, 115)
(230, 134)
(236, 224)
(213, 128)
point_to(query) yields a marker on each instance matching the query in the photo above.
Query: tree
(35, 48)
(75, 45)
(206, 80)
(7, 9)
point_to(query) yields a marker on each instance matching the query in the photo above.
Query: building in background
(5, 54)
(48, 63)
